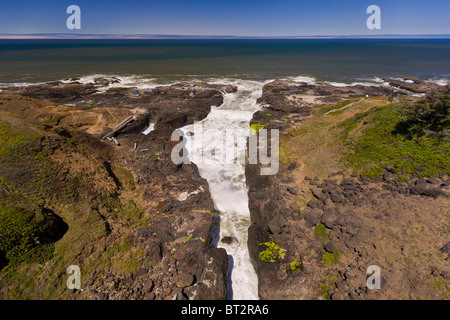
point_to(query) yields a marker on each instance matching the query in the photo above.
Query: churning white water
(226, 179)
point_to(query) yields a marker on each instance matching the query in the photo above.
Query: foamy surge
(227, 180)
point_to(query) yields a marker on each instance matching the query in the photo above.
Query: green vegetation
(38, 168)
(382, 143)
(203, 211)
(295, 267)
(331, 258)
(320, 231)
(256, 127)
(131, 211)
(272, 251)
(90, 107)
(325, 290)
(430, 115)
(20, 236)
(123, 256)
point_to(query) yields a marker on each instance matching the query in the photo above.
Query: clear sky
(231, 17)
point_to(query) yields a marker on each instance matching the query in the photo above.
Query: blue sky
(231, 17)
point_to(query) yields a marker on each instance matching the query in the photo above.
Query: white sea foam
(441, 82)
(300, 78)
(134, 81)
(357, 83)
(18, 84)
(227, 181)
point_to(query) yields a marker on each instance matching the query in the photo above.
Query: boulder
(336, 196)
(329, 217)
(312, 217)
(214, 275)
(390, 169)
(331, 246)
(228, 239)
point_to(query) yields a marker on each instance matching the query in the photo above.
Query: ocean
(167, 61)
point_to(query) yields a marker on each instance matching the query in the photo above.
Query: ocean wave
(142, 82)
(301, 78)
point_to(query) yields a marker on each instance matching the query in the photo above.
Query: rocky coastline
(349, 219)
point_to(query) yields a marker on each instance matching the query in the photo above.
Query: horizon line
(136, 36)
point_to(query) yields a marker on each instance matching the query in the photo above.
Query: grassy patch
(16, 141)
(320, 231)
(331, 258)
(20, 234)
(371, 135)
(379, 144)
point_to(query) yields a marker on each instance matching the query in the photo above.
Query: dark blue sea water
(343, 61)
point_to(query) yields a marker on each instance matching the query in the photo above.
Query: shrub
(295, 267)
(430, 114)
(272, 251)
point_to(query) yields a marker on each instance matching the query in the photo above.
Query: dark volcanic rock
(213, 278)
(228, 239)
(423, 187)
(446, 249)
(412, 84)
(331, 246)
(329, 216)
(312, 217)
